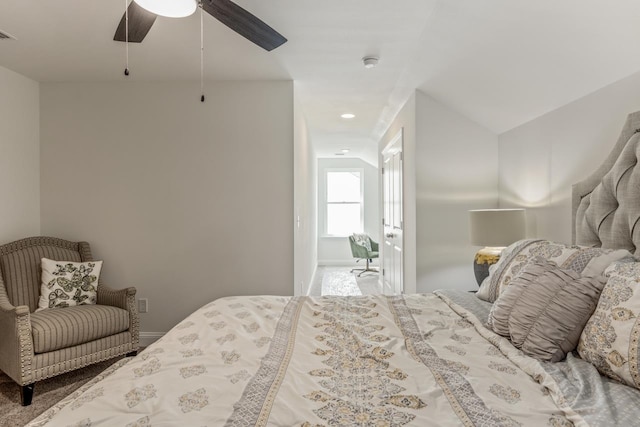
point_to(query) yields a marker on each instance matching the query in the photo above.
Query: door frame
(398, 138)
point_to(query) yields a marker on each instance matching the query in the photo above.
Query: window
(344, 202)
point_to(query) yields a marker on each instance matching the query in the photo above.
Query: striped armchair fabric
(39, 345)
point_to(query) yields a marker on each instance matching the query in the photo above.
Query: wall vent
(6, 36)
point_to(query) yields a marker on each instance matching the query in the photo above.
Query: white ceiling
(499, 62)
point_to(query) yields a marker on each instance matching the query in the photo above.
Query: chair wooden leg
(26, 394)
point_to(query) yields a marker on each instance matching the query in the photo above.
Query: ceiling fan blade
(244, 23)
(140, 22)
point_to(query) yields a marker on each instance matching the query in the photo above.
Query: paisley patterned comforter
(416, 360)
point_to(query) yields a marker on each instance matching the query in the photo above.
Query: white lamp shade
(169, 8)
(496, 227)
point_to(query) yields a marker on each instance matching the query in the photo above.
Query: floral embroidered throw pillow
(362, 240)
(66, 284)
(609, 340)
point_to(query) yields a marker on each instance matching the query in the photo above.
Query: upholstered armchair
(363, 247)
(38, 345)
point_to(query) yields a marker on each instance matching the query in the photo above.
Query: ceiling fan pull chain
(201, 54)
(126, 37)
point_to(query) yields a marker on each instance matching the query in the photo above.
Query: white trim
(394, 146)
(398, 137)
(346, 262)
(313, 279)
(306, 290)
(337, 262)
(380, 283)
(148, 338)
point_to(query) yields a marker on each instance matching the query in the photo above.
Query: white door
(392, 254)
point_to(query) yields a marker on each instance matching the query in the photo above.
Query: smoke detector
(370, 61)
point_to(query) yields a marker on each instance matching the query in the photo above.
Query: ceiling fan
(143, 13)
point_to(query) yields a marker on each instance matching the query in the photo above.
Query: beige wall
(336, 250)
(540, 160)
(187, 201)
(305, 205)
(456, 170)
(19, 156)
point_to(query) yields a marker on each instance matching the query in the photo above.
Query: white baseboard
(312, 280)
(345, 262)
(381, 284)
(336, 262)
(148, 338)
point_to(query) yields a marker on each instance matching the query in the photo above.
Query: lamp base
(485, 258)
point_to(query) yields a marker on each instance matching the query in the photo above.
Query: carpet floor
(47, 393)
(340, 281)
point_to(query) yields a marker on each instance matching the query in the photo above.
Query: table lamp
(494, 229)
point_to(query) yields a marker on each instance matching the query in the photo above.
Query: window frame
(326, 203)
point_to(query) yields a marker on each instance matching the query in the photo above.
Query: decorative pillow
(362, 240)
(586, 261)
(544, 309)
(609, 341)
(65, 283)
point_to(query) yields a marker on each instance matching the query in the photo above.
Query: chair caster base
(365, 270)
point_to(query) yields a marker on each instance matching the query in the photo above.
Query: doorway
(392, 257)
(348, 203)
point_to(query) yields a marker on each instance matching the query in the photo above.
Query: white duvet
(326, 361)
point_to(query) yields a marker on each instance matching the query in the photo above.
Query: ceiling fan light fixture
(169, 8)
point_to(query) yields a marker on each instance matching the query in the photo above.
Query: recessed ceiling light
(345, 150)
(347, 116)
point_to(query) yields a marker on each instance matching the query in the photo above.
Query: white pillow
(66, 283)
(362, 240)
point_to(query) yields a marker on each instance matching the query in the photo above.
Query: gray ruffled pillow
(544, 309)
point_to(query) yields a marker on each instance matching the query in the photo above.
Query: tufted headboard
(606, 205)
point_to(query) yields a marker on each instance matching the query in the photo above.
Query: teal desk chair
(360, 250)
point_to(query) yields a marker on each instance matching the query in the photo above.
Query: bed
(407, 360)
